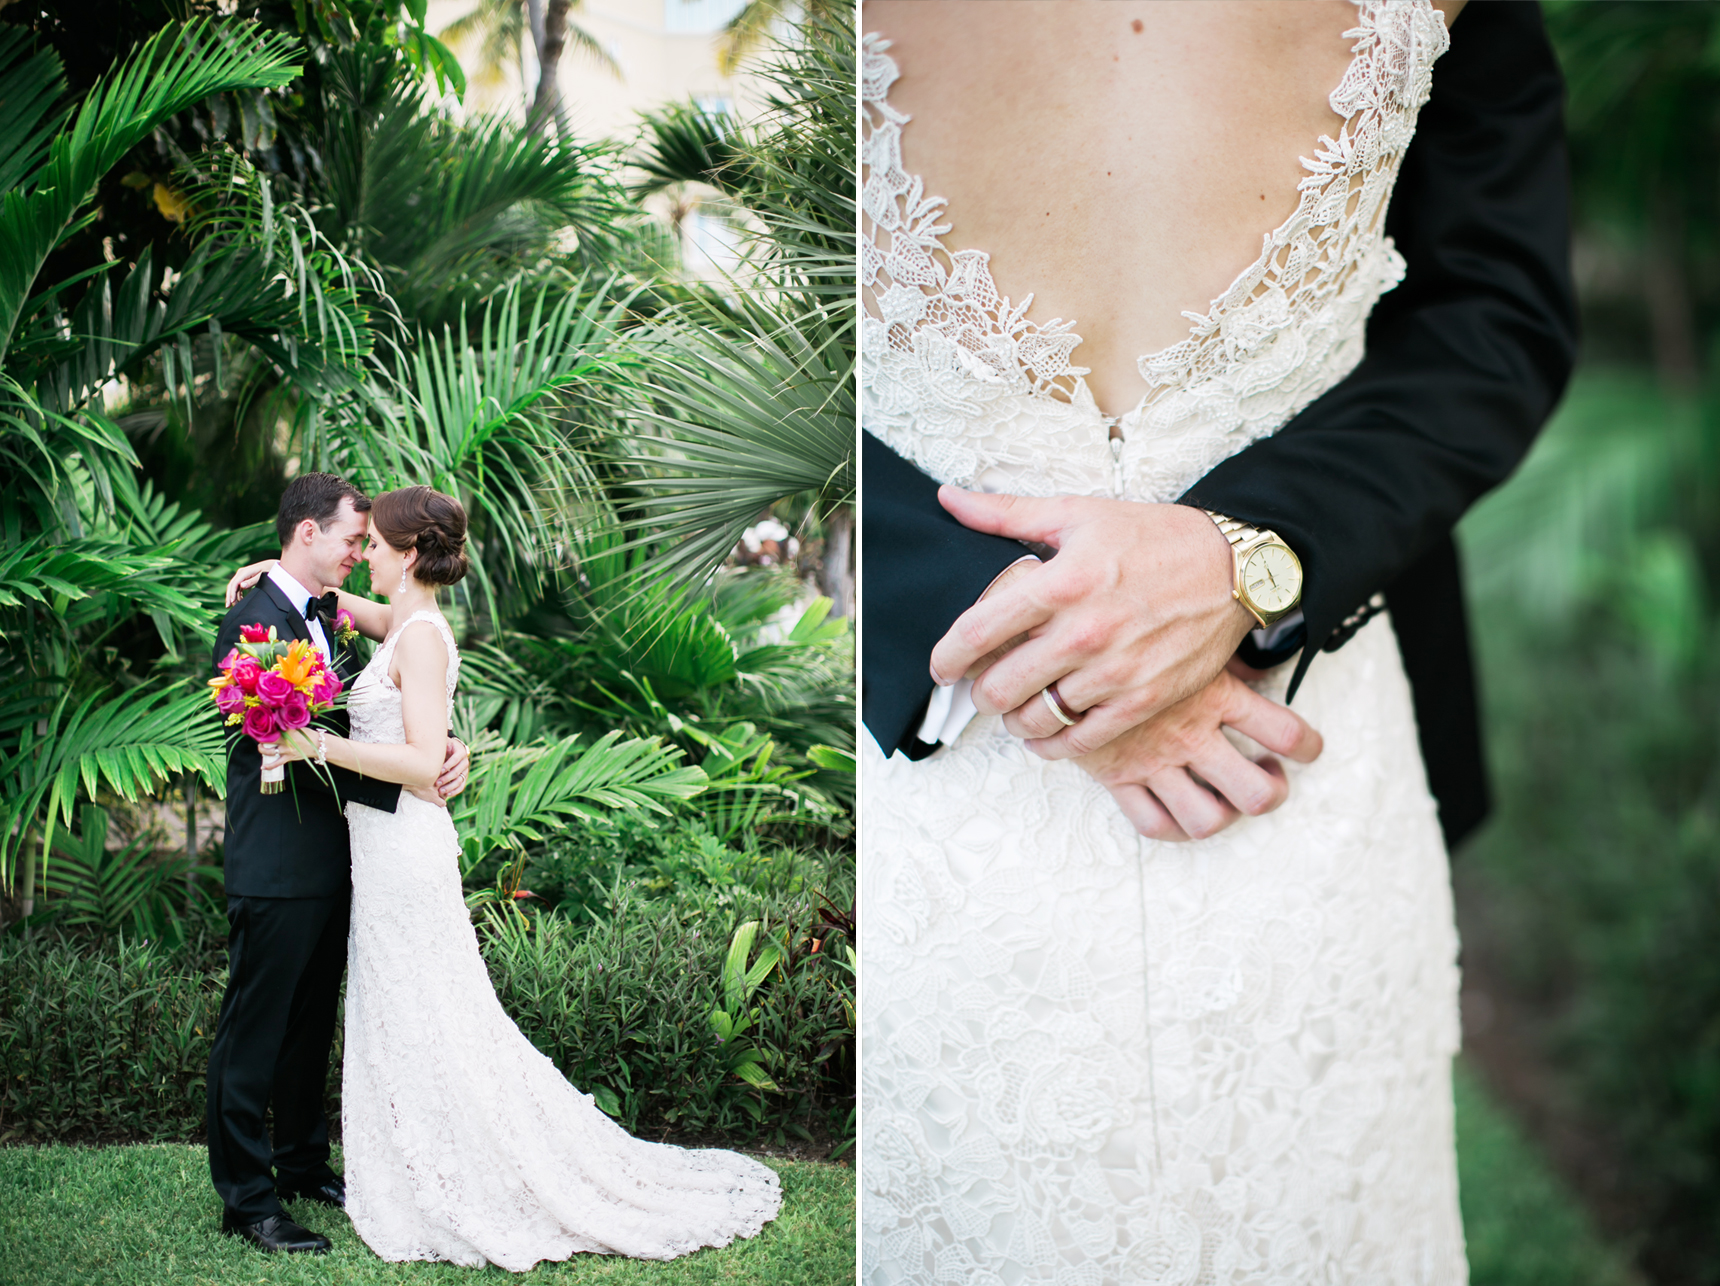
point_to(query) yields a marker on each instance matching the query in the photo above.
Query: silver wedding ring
(1054, 703)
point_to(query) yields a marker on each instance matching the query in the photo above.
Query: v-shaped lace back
(956, 378)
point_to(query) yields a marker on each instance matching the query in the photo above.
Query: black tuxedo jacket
(1465, 361)
(294, 844)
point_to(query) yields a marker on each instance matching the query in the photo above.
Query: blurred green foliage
(1593, 897)
(1521, 1225)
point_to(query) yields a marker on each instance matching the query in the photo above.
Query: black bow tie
(325, 607)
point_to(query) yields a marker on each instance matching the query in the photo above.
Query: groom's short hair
(316, 496)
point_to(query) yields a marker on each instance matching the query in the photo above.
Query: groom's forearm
(1465, 359)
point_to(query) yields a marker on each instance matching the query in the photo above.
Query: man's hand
(1176, 777)
(454, 770)
(1134, 614)
(1021, 567)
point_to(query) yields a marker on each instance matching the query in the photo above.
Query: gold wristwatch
(1268, 573)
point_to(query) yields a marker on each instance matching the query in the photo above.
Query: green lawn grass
(1524, 1227)
(145, 1215)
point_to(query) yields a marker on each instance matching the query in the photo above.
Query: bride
(1090, 1055)
(462, 1141)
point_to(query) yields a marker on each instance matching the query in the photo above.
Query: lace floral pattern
(958, 380)
(463, 1142)
(1091, 1058)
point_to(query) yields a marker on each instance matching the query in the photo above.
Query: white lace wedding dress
(462, 1141)
(1091, 1058)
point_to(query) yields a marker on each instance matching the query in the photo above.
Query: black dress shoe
(276, 1233)
(331, 1194)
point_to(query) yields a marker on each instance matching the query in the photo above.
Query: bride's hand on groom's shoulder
(1177, 776)
(246, 577)
(1134, 614)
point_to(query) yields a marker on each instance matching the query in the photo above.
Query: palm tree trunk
(27, 881)
(190, 831)
(1671, 314)
(553, 26)
(835, 570)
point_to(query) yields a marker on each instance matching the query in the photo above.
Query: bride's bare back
(1119, 161)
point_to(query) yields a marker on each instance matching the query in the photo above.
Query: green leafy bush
(111, 1040)
(680, 860)
(625, 1010)
(103, 1040)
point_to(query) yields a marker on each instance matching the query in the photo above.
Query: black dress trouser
(271, 1050)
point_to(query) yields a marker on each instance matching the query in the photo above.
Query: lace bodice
(958, 380)
(374, 703)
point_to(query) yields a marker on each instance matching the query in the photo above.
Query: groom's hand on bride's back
(1177, 777)
(1133, 615)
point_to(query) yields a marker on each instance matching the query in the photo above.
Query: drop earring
(402, 588)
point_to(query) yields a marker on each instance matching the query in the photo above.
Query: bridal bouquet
(268, 686)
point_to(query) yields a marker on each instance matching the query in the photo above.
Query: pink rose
(327, 688)
(260, 723)
(229, 661)
(273, 689)
(343, 621)
(296, 713)
(246, 673)
(254, 633)
(230, 699)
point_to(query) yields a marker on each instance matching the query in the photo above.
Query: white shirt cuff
(951, 709)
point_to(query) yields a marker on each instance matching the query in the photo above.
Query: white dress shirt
(300, 598)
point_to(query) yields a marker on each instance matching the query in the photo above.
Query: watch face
(1272, 578)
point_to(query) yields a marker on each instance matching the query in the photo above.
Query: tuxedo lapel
(295, 618)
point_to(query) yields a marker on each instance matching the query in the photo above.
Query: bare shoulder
(421, 646)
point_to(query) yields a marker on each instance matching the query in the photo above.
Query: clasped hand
(1135, 623)
(301, 743)
(1133, 615)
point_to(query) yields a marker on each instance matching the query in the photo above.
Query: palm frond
(32, 83)
(125, 891)
(477, 417)
(131, 742)
(174, 69)
(735, 425)
(522, 793)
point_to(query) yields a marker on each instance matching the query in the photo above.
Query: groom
(288, 879)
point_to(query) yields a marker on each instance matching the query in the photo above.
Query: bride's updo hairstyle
(426, 520)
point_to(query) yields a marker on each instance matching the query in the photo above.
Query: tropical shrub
(110, 1040)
